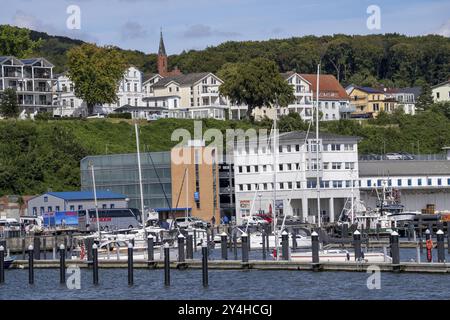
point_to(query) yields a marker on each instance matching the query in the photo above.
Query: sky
(197, 24)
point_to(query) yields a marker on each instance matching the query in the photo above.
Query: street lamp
(260, 195)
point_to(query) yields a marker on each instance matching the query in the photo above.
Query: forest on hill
(389, 59)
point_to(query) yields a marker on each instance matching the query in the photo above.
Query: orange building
(195, 180)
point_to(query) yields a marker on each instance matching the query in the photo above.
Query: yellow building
(368, 102)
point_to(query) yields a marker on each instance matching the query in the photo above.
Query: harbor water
(228, 284)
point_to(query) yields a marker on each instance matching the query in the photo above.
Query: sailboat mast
(96, 203)
(144, 215)
(317, 147)
(275, 150)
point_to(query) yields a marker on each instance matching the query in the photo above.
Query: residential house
(33, 81)
(368, 102)
(441, 91)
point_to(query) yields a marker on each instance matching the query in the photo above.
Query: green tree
(16, 42)
(96, 72)
(292, 122)
(425, 99)
(9, 106)
(257, 83)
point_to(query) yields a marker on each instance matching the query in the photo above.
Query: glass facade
(119, 173)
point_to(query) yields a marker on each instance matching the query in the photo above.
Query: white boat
(339, 255)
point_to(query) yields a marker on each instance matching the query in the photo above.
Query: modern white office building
(295, 164)
(418, 182)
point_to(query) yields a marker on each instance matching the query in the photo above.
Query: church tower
(162, 57)
(163, 61)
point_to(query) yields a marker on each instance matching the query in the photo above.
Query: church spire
(162, 48)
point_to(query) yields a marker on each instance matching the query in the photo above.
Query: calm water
(250, 284)
(187, 284)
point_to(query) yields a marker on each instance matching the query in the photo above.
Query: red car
(265, 216)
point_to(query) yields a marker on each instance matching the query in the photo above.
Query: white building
(441, 91)
(405, 98)
(420, 182)
(129, 93)
(296, 174)
(334, 102)
(33, 81)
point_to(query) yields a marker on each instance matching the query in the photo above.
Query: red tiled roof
(330, 88)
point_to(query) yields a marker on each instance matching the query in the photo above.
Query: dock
(406, 267)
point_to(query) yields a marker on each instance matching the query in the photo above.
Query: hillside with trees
(389, 59)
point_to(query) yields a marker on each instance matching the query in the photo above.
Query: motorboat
(339, 255)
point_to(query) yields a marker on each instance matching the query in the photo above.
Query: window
(57, 208)
(448, 181)
(409, 182)
(429, 181)
(326, 165)
(104, 206)
(241, 187)
(419, 182)
(379, 182)
(311, 183)
(289, 166)
(348, 184)
(42, 209)
(399, 182)
(335, 147)
(265, 186)
(280, 148)
(128, 87)
(281, 184)
(437, 95)
(369, 183)
(336, 166)
(298, 185)
(348, 147)
(288, 147)
(256, 169)
(72, 208)
(45, 199)
(249, 169)
(349, 165)
(297, 147)
(49, 209)
(249, 187)
(136, 102)
(337, 184)
(80, 207)
(135, 87)
(439, 182)
(289, 185)
(240, 169)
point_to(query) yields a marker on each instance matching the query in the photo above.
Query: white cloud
(444, 29)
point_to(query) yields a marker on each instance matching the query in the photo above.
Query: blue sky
(196, 24)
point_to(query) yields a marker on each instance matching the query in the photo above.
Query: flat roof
(403, 168)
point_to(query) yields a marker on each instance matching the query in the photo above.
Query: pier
(424, 267)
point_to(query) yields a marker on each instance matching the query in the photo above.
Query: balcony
(347, 108)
